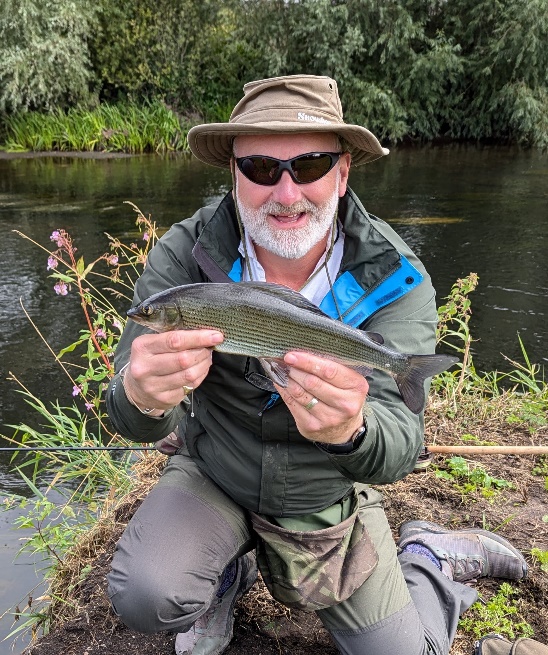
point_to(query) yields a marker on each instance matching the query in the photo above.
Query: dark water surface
(463, 209)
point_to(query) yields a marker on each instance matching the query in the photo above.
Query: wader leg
(405, 606)
(168, 563)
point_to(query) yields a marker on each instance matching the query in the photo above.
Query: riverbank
(71, 154)
(506, 494)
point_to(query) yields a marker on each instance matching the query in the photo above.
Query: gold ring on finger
(310, 405)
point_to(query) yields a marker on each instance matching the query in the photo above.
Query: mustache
(272, 207)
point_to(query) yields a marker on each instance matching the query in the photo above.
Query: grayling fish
(266, 321)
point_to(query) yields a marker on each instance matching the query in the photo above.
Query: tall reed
(126, 127)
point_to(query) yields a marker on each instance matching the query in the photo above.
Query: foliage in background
(44, 56)
(467, 69)
(123, 127)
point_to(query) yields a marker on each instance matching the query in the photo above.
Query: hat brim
(212, 143)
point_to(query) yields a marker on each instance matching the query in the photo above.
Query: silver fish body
(266, 321)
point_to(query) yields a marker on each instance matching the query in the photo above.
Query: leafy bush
(44, 58)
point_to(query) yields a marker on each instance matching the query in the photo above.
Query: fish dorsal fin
(286, 294)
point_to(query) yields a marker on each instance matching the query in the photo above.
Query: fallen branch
(489, 450)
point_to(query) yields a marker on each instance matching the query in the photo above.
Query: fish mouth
(133, 313)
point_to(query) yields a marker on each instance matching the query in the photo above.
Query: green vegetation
(525, 386)
(108, 128)
(499, 614)
(421, 70)
(542, 557)
(470, 478)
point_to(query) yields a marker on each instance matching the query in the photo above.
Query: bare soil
(263, 627)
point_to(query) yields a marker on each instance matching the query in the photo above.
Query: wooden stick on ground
(489, 450)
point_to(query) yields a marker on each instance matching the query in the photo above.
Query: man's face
(288, 219)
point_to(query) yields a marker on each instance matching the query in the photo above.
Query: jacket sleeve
(395, 435)
(169, 264)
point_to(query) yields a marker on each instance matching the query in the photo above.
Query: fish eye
(148, 310)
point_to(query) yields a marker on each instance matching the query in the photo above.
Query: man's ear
(344, 171)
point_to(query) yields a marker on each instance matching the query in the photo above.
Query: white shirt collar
(316, 288)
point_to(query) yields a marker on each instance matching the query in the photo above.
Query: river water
(463, 209)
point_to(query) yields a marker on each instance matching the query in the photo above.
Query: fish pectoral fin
(276, 369)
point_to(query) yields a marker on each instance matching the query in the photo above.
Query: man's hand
(340, 391)
(162, 364)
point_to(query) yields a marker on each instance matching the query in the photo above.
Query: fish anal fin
(276, 369)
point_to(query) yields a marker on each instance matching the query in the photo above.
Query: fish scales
(243, 324)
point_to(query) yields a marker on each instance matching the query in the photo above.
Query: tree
(44, 59)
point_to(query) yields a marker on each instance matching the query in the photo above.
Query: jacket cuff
(131, 423)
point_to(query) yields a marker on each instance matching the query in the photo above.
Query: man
(286, 471)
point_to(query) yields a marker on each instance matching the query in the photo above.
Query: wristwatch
(349, 446)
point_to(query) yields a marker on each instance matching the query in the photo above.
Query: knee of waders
(151, 604)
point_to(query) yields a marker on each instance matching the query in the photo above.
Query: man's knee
(147, 603)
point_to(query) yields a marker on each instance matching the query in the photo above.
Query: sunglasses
(303, 169)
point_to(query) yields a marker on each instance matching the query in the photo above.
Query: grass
(127, 127)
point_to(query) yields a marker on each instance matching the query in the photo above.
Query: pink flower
(89, 406)
(146, 236)
(112, 260)
(52, 263)
(100, 333)
(116, 323)
(61, 288)
(76, 389)
(58, 237)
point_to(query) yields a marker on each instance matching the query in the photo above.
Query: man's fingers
(177, 341)
(324, 378)
(166, 364)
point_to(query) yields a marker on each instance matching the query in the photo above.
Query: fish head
(157, 316)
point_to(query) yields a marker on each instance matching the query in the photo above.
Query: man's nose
(285, 191)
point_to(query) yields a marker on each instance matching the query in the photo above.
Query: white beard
(288, 243)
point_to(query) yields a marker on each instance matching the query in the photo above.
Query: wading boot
(212, 632)
(466, 554)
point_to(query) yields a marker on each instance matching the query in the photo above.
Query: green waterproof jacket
(244, 438)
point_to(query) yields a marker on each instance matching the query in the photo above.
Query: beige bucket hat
(293, 103)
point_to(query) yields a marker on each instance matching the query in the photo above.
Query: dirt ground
(264, 627)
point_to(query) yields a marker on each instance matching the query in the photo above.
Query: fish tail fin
(411, 382)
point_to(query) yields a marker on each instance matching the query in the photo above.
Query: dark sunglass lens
(311, 167)
(261, 170)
